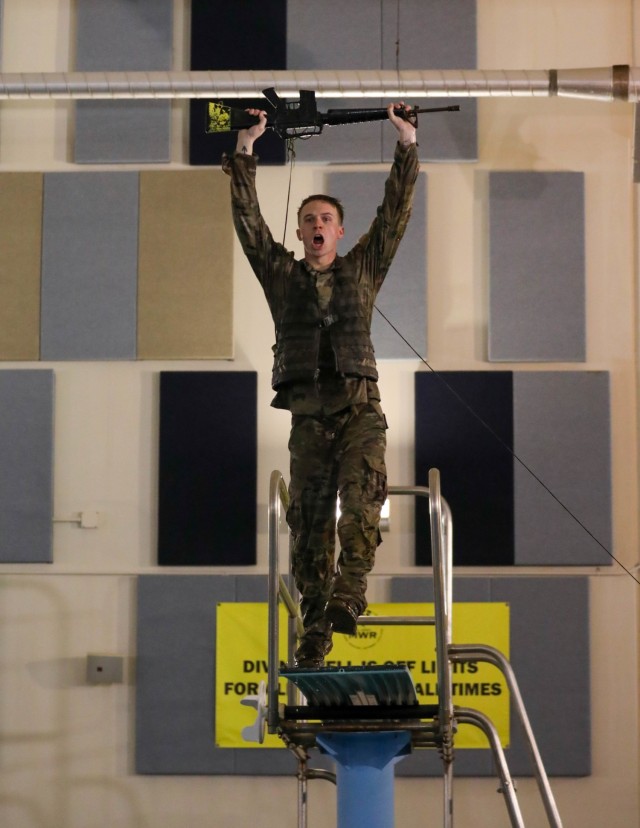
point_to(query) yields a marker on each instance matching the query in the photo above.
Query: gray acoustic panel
(419, 34)
(562, 433)
(123, 36)
(122, 132)
(403, 296)
(434, 34)
(429, 34)
(316, 42)
(26, 466)
(89, 266)
(536, 267)
(175, 681)
(175, 699)
(549, 653)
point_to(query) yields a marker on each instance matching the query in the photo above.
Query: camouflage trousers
(337, 455)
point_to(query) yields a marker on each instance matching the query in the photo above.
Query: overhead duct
(605, 84)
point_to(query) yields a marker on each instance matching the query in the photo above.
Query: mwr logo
(367, 635)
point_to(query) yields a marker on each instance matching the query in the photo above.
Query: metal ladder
(435, 731)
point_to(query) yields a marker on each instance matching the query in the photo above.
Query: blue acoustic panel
(89, 266)
(26, 466)
(562, 432)
(123, 36)
(525, 509)
(207, 468)
(175, 680)
(536, 267)
(553, 680)
(403, 297)
(218, 32)
(476, 471)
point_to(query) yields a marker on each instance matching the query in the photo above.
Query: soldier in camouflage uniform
(325, 374)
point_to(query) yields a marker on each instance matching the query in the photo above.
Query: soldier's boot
(346, 604)
(314, 645)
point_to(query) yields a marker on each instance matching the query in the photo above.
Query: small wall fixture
(105, 669)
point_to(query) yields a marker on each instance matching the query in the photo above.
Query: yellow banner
(241, 663)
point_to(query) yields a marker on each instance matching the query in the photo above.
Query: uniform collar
(336, 264)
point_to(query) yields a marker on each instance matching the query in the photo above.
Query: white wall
(66, 748)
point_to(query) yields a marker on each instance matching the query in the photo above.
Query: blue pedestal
(364, 775)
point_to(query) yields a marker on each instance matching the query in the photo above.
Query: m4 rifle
(301, 118)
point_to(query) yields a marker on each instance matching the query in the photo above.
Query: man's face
(319, 230)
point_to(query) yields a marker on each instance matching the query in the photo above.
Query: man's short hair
(329, 199)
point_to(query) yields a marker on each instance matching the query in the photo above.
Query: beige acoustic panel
(185, 274)
(20, 248)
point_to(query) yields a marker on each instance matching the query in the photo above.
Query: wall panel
(403, 296)
(207, 468)
(185, 269)
(419, 34)
(316, 42)
(175, 681)
(557, 423)
(123, 36)
(476, 471)
(220, 33)
(561, 429)
(26, 466)
(175, 698)
(89, 265)
(434, 34)
(537, 267)
(550, 655)
(20, 243)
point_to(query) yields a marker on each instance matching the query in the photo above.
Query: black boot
(343, 610)
(347, 601)
(314, 645)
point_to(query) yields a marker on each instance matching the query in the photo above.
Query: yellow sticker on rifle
(219, 117)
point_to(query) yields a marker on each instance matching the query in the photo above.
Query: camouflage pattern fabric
(343, 453)
(338, 434)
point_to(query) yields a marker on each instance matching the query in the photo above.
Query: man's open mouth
(318, 240)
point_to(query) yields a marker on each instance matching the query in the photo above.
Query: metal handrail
(441, 554)
(278, 496)
(446, 654)
(483, 652)
(475, 717)
(441, 523)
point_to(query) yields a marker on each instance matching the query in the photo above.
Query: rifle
(301, 119)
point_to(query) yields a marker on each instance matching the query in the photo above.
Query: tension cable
(506, 446)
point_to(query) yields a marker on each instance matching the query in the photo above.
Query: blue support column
(364, 775)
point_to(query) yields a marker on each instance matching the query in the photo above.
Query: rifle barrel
(335, 117)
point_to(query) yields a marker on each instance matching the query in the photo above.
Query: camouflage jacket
(359, 275)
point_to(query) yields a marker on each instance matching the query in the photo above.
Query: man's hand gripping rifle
(301, 119)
